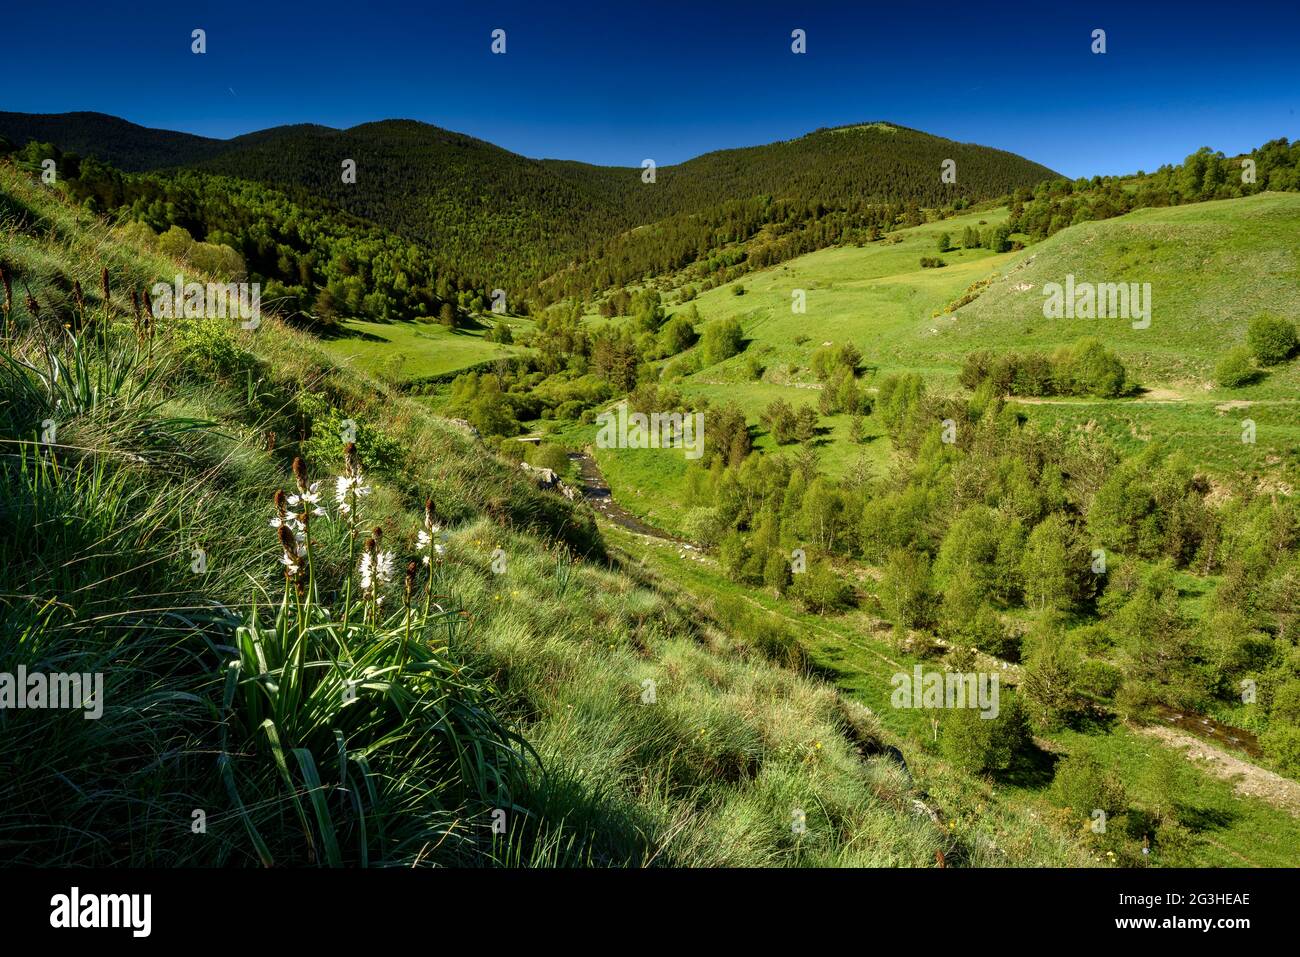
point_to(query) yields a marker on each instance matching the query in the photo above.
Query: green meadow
(411, 350)
(1212, 267)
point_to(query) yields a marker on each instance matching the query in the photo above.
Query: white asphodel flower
(309, 497)
(346, 486)
(293, 523)
(290, 563)
(423, 540)
(367, 568)
(441, 549)
(384, 567)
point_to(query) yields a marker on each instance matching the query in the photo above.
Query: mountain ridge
(17, 127)
(509, 221)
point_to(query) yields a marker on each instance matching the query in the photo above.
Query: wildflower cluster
(376, 565)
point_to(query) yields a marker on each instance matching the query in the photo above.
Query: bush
(984, 745)
(1054, 567)
(1049, 680)
(703, 526)
(677, 335)
(987, 633)
(550, 455)
(999, 239)
(1084, 785)
(776, 572)
(500, 333)
(1085, 368)
(1271, 339)
(722, 340)
(1088, 368)
(207, 348)
(1281, 742)
(905, 589)
(819, 589)
(779, 419)
(1098, 679)
(1235, 369)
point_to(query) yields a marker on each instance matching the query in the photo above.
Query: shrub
(819, 589)
(776, 572)
(999, 239)
(500, 333)
(985, 745)
(1088, 368)
(905, 589)
(677, 335)
(1049, 681)
(1084, 785)
(805, 423)
(722, 339)
(550, 455)
(703, 526)
(1055, 569)
(779, 418)
(1281, 742)
(207, 348)
(1271, 339)
(987, 633)
(1235, 369)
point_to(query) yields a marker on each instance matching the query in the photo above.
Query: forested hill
(115, 141)
(839, 167)
(509, 221)
(495, 214)
(526, 218)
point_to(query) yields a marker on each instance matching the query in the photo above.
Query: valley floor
(1247, 815)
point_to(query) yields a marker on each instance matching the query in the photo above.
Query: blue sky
(616, 82)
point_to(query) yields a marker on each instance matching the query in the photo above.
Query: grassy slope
(1212, 267)
(708, 775)
(876, 296)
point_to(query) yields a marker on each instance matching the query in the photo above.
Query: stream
(595, 491)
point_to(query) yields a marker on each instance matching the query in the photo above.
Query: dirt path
(1249, 780)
